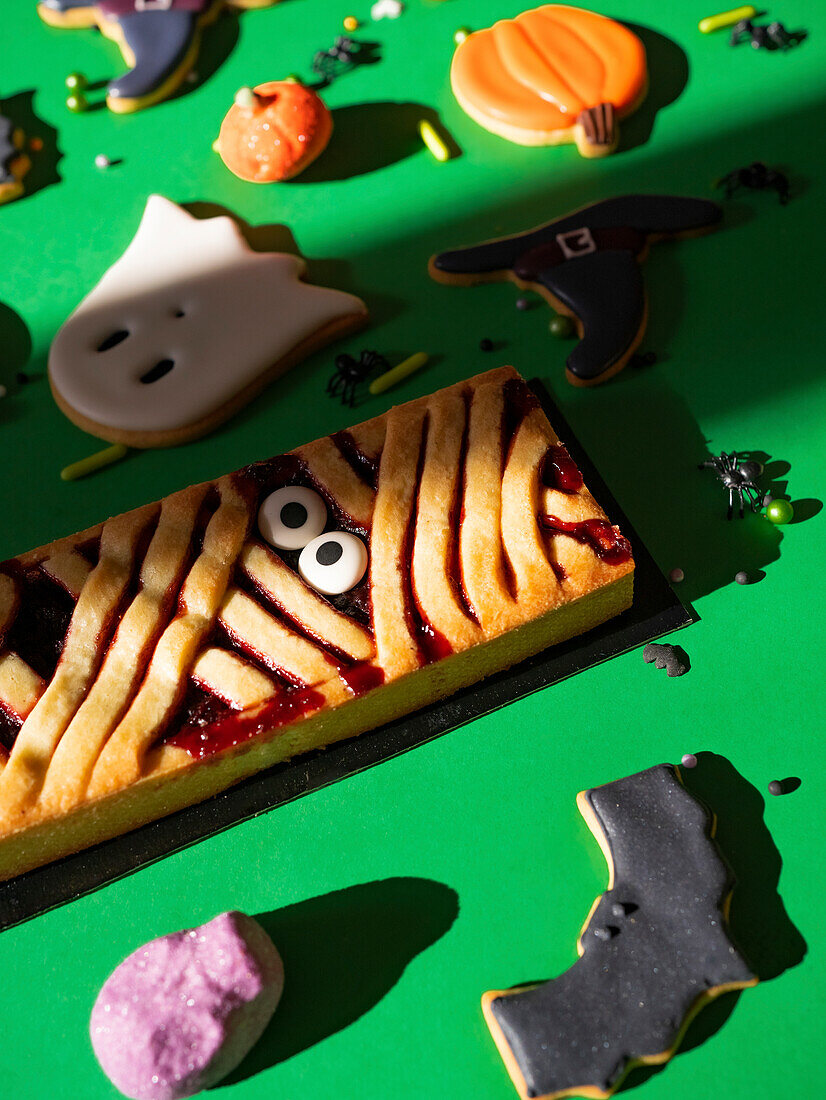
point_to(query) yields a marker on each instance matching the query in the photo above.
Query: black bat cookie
(653, 951)
(587, 265)
(158, 38)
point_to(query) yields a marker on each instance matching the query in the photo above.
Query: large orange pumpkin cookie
(551, 75)
(274, 131)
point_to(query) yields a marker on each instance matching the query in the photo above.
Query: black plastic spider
(342, 52)
(757, 177)
(739, 478)
(349, 372)
(773, 36)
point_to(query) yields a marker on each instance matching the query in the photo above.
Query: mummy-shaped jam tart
(457, 538)
(187, 327)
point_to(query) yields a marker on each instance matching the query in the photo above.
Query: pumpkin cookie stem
(597, 133)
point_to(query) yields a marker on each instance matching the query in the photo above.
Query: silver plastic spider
(739, 478)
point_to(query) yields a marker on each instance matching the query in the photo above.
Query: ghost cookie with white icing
(187, 327)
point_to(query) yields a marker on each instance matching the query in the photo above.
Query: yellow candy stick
(94, 462)
(727, 18)
(434, 141)
(397, 374)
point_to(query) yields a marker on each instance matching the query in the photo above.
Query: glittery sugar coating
(183, 1010)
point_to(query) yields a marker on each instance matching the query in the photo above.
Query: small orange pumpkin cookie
(274, 131)
(551, 75)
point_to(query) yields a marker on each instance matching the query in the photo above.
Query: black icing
(602, 288)
(605, 291)
(654, 943)
(159, 41)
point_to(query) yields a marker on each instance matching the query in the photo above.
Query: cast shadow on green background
(342, 953)
(667, 78)
(44, 160)
(394, 135)
(17, 341)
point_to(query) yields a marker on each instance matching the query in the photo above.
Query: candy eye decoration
(291, 517)
(333, 563)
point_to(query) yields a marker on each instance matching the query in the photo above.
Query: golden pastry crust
(195, 654)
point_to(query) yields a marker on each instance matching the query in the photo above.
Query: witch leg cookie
(654, 950)
(587, 265)
(159, 40)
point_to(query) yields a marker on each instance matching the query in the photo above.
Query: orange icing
(283, 131)
(539, 70)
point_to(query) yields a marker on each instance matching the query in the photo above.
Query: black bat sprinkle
(670, 657)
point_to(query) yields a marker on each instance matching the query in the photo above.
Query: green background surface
(383, 985)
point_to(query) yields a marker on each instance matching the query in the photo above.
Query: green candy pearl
(76, 82)
(780, 511)
(77, 103)
(561, 326)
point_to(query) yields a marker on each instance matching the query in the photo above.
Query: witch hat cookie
(587, 265)
(186, 328)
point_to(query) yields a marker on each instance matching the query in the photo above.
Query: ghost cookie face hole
(152, 374)
(113, 339)
(334, 562)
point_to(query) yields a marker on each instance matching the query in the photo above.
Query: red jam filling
(362, 677)
(366, 468)
(520, 401)
(605, 540)
(9, 728)
(42, 621)
(240, 726)
(433, 645)
(559, 471)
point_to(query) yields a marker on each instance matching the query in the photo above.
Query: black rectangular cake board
(656, 611)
